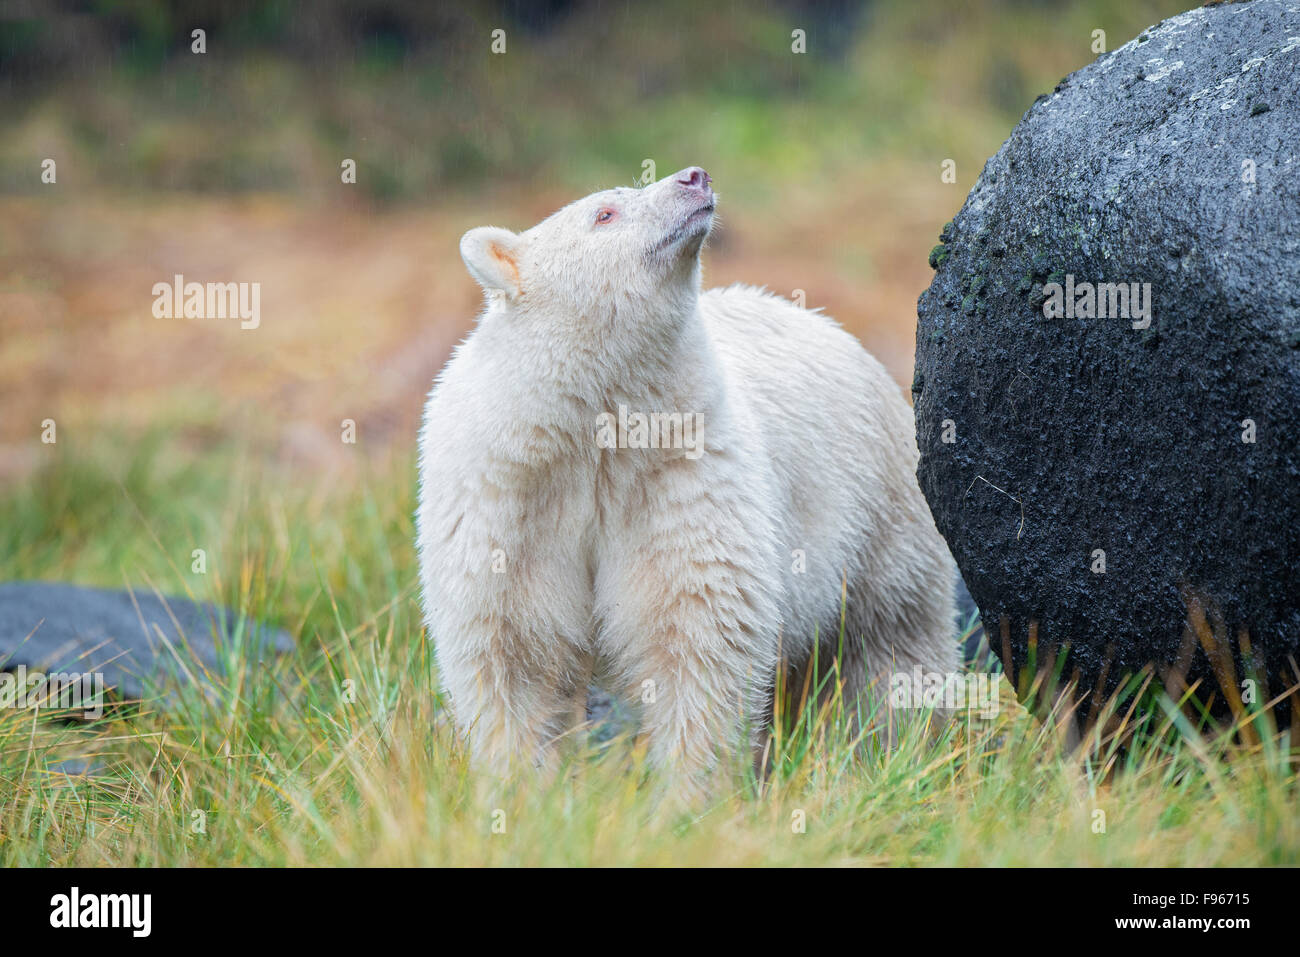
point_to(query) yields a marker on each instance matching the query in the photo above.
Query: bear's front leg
(512, 631)
(515, 691)
(689, 616)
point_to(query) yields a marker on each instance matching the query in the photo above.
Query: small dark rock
(59, 627)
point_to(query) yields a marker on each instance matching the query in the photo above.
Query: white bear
(675, 490)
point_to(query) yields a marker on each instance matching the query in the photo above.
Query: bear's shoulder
(765, 339)
(756, 303)
(754, 313)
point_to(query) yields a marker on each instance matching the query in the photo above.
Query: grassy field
(342, 754)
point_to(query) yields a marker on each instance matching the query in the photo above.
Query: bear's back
(839, 438)
(800, 367)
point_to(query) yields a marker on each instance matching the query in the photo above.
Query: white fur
(545, 557)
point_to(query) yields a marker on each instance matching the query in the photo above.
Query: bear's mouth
(697, 223)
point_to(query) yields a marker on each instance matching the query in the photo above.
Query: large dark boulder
(1172, 447)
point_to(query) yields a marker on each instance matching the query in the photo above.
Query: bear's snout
(695, 180)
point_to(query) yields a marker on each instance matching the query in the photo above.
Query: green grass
(287, 767)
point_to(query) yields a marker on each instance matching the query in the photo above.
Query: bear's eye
(606, 215)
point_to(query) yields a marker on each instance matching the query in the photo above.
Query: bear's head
(619, 254)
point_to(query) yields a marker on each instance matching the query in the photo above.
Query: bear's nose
(694, 178)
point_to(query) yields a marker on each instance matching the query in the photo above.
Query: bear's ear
(492, 257)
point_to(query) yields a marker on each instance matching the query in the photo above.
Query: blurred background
(226, 166)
